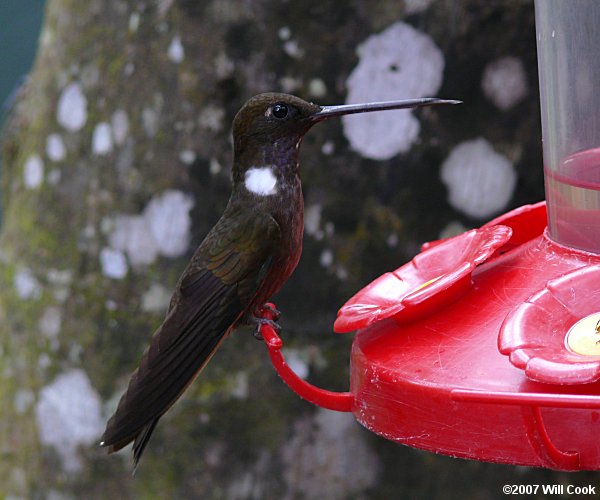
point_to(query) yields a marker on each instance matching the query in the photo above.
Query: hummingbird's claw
(264, 321)
(265, 315)
(276, 313)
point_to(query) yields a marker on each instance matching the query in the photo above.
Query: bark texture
(115, 165)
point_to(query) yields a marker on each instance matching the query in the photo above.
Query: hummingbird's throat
(261, 180)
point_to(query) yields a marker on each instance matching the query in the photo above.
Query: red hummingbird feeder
(487, 345)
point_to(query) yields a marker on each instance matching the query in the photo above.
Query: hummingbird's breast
(267, 179)
(287, 208)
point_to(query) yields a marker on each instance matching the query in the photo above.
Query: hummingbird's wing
(213, 293)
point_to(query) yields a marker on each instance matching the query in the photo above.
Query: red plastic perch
(337, 401)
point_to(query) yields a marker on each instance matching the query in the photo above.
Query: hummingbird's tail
(140, 442)
(195, 326)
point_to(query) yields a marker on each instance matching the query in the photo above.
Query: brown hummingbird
(244, 259)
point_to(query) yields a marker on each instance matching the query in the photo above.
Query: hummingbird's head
(268, 119)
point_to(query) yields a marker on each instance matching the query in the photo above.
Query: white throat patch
(261, 180)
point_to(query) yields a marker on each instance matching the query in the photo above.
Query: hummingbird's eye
(279, 110)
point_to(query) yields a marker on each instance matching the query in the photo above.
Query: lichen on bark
(237, 431)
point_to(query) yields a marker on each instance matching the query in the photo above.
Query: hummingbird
(244, 259)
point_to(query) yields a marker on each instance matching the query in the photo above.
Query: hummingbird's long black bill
(349, 109)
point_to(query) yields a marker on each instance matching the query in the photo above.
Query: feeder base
(441, 384)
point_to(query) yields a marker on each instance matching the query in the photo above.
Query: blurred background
(115, 163)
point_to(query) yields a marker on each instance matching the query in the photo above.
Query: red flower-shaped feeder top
(433, 279)
(555, 335)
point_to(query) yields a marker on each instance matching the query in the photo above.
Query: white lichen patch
(329, 228)
(75, 352)
(326, 258)
(297, 360)
(317, 88)
(284, 33)
(55, 147)
(341, 272)
(60, 294)
(113, 263)
(292, 48)
(134, 22)
(168, 216)
(129, 69)
(156, 299)
(480, 181)
(504, 82)
(68, 415)
(328, 148)
(240, 386)
(211, 118)
(120, 126)
(33, 172)
(290, 84)
(224, 66)
(24, 398)
(453, 228)
(89, 231)
(320, 460)
(131, 234)
(102, 142)
(163, 228)
(59, 277)
(150, 121)
(416, 6)
(175, 51)
(398, 63)
(43, 363)
(50, 323)
(26, 284)
(187, 156)
(72, 108)
(312, 220)
(214, 166)
(58, 495)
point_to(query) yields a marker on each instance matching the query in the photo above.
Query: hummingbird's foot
(275, 313)
(259, 322)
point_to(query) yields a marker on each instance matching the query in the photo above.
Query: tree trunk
(116, 163)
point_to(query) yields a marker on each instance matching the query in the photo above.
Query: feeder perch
(487, 345)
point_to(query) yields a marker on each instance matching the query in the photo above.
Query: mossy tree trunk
(116, 163)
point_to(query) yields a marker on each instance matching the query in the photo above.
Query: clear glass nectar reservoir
(569, 69)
